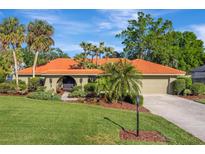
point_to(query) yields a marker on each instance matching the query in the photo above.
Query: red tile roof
(64, 66)
(60, 66)
(147, 67)
(110, 60)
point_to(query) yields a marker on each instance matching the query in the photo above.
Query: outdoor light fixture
(137, 110)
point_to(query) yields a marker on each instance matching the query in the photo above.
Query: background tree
(155, 40)
(39, 38)
(12, 35)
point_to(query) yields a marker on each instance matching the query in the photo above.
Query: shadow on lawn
(108, 119)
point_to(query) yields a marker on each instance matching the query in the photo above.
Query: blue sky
(74, 26)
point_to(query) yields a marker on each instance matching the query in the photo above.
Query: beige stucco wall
(159, 84)
(51, 81)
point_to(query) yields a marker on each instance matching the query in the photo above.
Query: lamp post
(137, 110)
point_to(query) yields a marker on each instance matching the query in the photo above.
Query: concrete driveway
(186, 114)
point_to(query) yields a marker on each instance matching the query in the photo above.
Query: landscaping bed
(146, 136)
(198, 98)
(123, 105)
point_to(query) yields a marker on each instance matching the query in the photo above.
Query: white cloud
(53, 17)
(199, 30)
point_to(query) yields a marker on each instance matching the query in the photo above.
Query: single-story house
(60, 73)
(198, 74)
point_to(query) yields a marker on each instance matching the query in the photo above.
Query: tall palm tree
(108, 51)
(12, 35)
(125, 80)
(39, 39)
(99, 51)
(85, 48)
(94, 50)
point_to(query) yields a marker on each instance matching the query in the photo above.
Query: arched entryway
(66, 83)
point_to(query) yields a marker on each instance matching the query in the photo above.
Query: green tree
(12, 35)
(141, 35)
(39, 39)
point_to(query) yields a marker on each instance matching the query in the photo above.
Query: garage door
(154, 85)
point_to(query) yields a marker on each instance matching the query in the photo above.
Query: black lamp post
(137, 110)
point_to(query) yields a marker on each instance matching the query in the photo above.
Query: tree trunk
(96, 58)
(34, 64)
(16, 70)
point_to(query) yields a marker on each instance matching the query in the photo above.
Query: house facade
(60, 74)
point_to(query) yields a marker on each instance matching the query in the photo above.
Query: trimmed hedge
(198, 88)
(188, 81)
(43, 95)
(178, 86)
(90, 87)
(133, 101)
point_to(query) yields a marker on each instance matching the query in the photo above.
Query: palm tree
(39, 39)
(99, 51)
(12, 35)
(108, 51)
(124, 78)
(94, 51)
(85, 47)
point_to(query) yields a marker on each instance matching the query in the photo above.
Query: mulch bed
(194, 97)
(146, 136)
(123, 105)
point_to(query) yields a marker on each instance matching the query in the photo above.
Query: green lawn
(202, 101)
(27, 121)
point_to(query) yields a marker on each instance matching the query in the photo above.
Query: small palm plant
(122, 80)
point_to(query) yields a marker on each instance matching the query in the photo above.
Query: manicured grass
(202, 101)
(27, 121)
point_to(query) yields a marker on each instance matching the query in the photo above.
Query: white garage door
(155, 85)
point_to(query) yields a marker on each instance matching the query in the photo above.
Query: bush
(187, 92)
(198, 88)
(10, 86)
(2, 75)
(90, 87)
(77, 93)
(34, 83)
(76, 88)
(7, 87)
(178, 86)
(133, 100)
(43, 95)
(188, 81)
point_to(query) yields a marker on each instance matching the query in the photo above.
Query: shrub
(76, 88)
(90, 87)
(77, 93)
(34, 83)
(179, 86)
(2, 75)
(187, 92)
(10, 86)
(198, 88)
(133, 100)
(7, 87)
(188, 81)
(43, 95)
